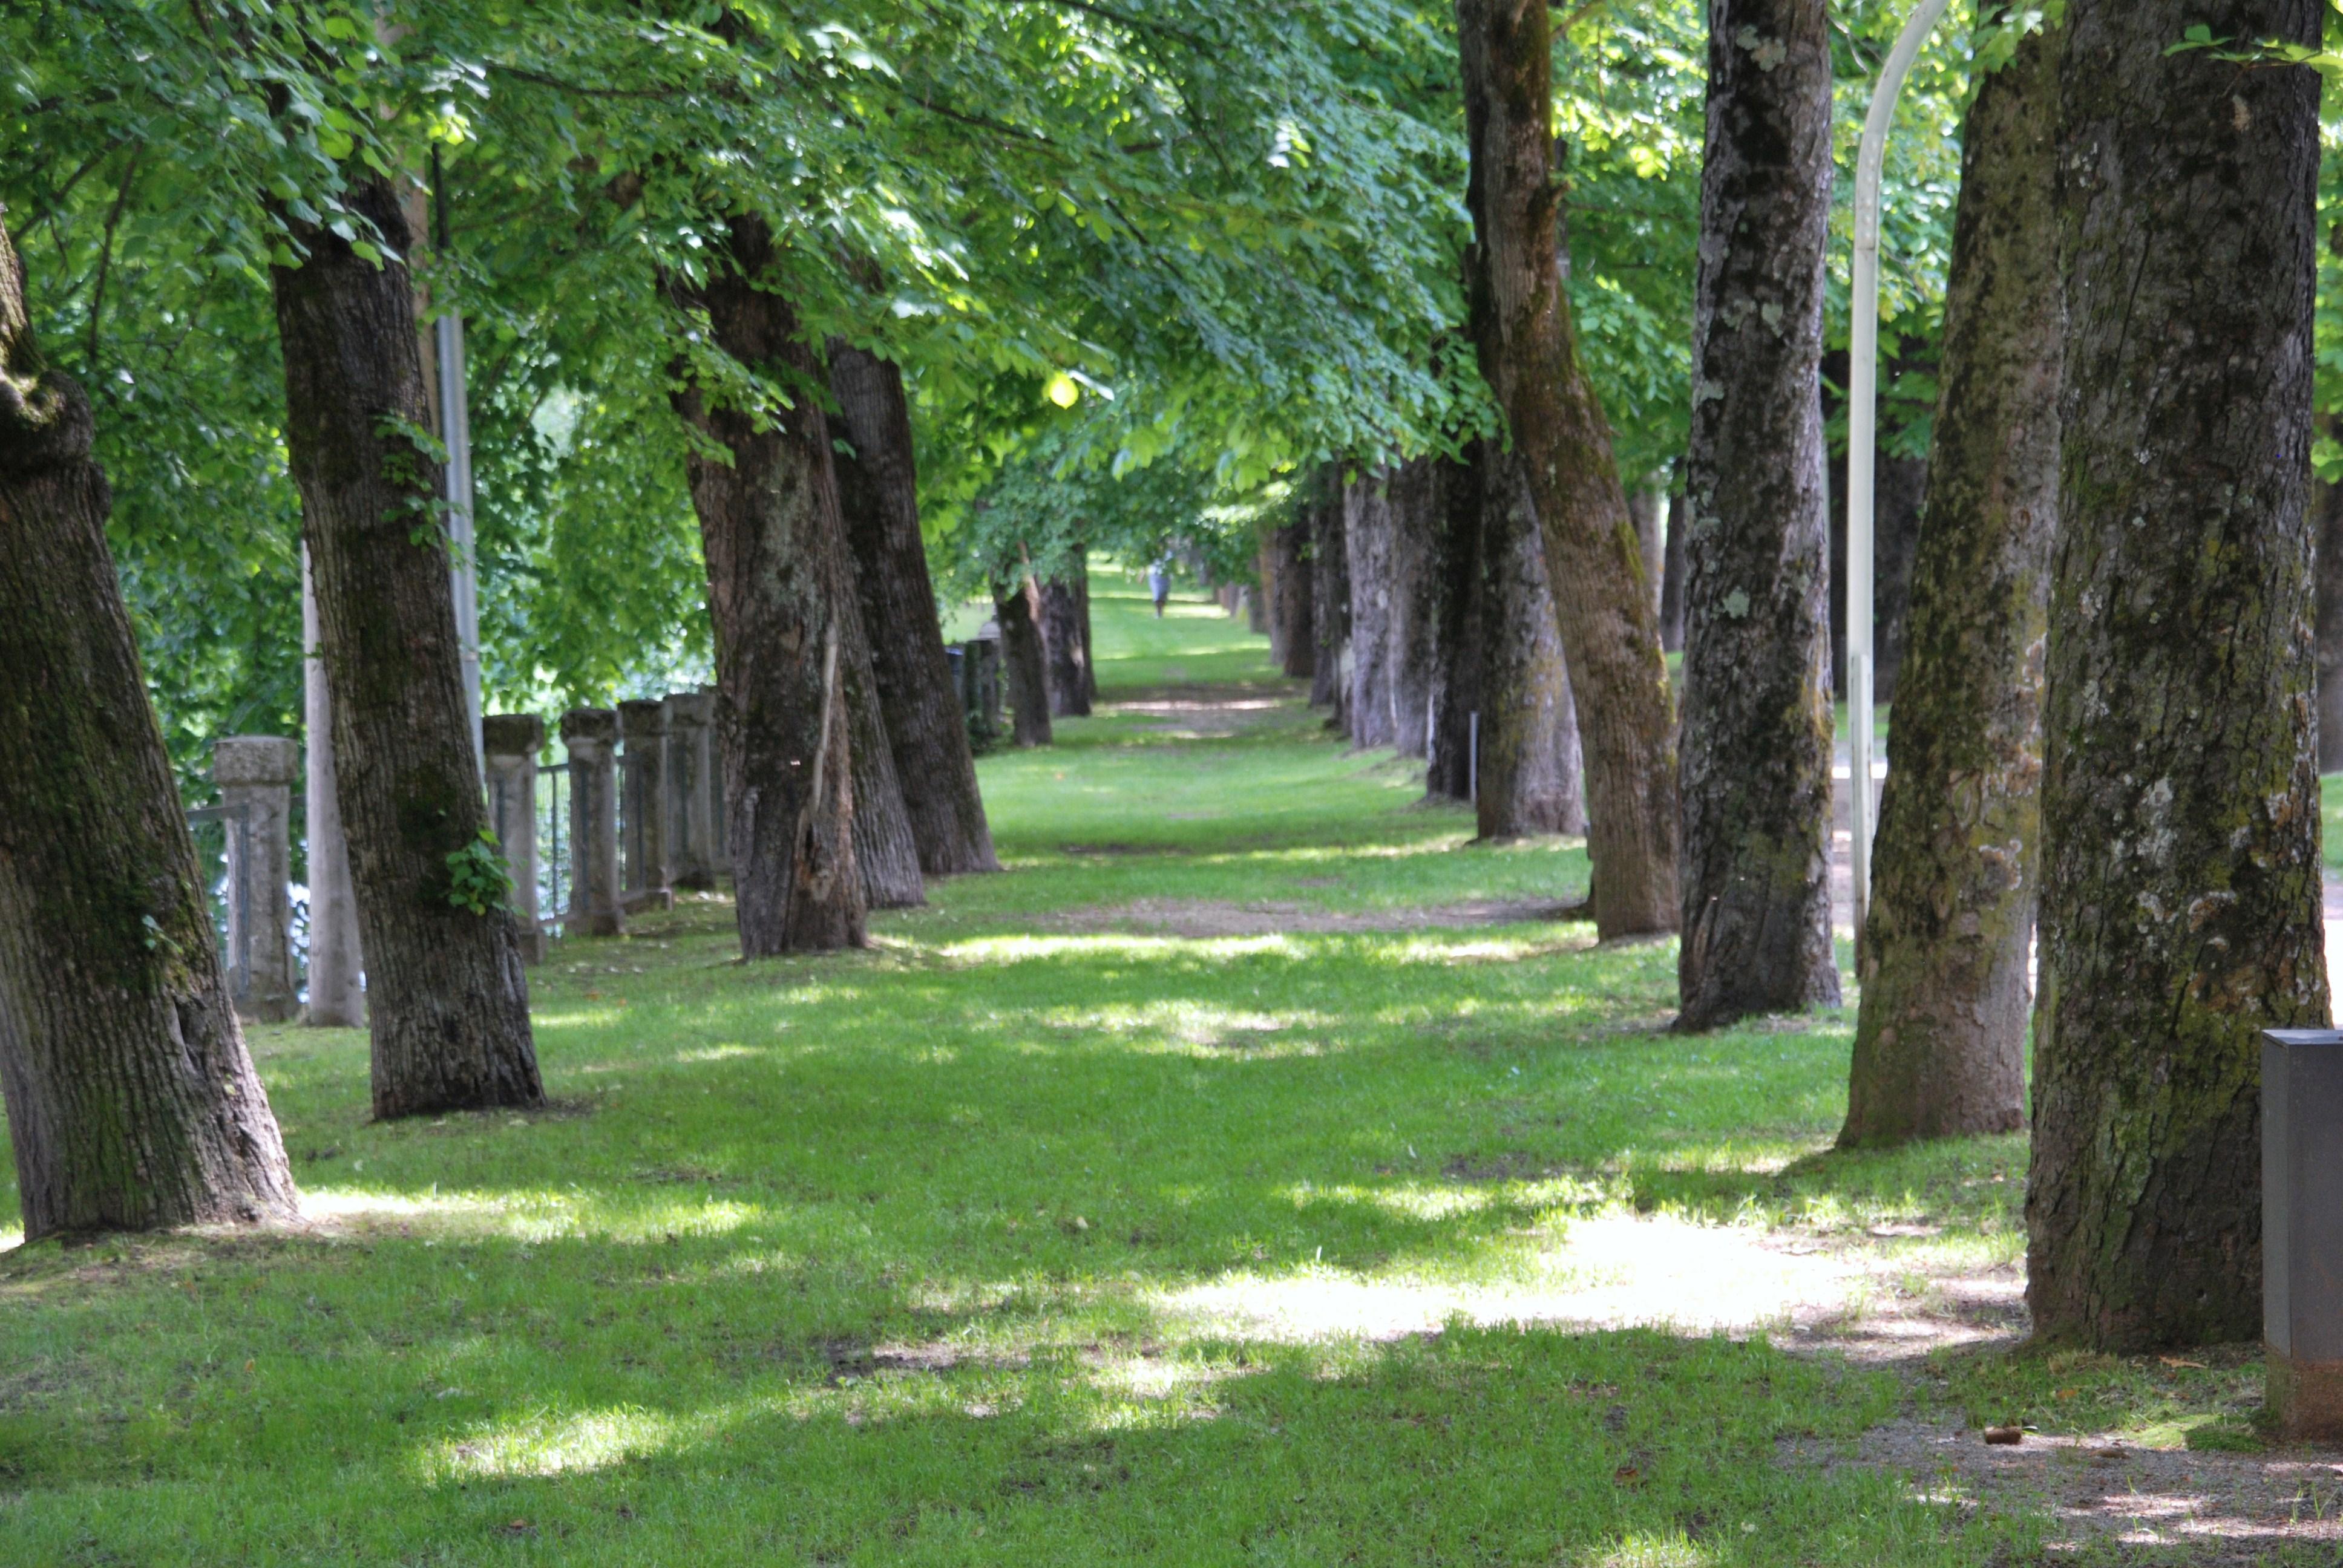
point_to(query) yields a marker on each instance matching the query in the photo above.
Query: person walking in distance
(1159, 583)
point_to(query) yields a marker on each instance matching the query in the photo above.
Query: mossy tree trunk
(1940, 1046)
(778, 584)
(1528, 354)
(878, 487)
(1757, 709)
(446, 1003)
(1017, 610)
(132, 1103)
(2180, 905)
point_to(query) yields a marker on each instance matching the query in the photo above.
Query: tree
(1330, 589)
(1757, 709)
(886, 852)
(878, 486)
(2180, 907)
(1531, 766)
(1367, 528)
(1017, 612)
(1940, 1043)
(1415, 590)
(1063, 598)
(1527, 351)
(447, 1005)
(778, 588)
(131, 1099)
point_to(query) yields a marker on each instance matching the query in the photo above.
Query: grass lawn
(1249, 1176)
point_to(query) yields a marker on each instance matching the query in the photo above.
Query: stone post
(510, 742)
(2302, 1230)
(643, 812)
(692, 790)
(337, 999)
(256, 775)
(589, 734)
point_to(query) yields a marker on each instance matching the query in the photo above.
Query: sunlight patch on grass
(1137, 950)
(546, 1443)
(529, 1216)
(1652, 1552)
(719, 1053)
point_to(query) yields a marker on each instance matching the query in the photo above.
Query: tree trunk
(1671, 583)
(1062, 642)
(886, 852)
(1367, 552)
(2180, 905)
(1529, 356)
(1647, 507)
(132, 1103)
(1329, 577)
(447, 1004)
(1531, 769)
(1758, 708)
(778, 584)
(1414, 605)
(878, 488)
(1900, 500)
(1457, 563)
(1017, 608)
(2327, 527)
(1090, 643)
(1940, 1045)
(1291, 607)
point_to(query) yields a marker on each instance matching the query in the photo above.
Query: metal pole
(1863, 430)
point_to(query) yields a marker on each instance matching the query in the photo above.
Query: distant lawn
(1173, 1198)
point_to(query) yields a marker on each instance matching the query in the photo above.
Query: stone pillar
(510, 742)
(256, 775)
(644, 810)
(2302, 1230)
(590, 734)
(337, 999)
(692, 792)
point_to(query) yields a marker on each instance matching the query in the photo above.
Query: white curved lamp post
(1863, 430)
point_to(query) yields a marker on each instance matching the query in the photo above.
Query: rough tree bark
(1016, 607)
(1672, 581)
(878, 486)
(1367, 553)
(2180, 905)
(1646, 507)
(1757, 708)
(1456, 492)
(1531, 768)
(777, 584)
(1940, 1046)
(1291, 605)
(1330, 593)
(1528, 354)
(1061, 640)
(132, 1103)
(2327, 527)
(1414, 605)
(446, 1003)
(886, 850)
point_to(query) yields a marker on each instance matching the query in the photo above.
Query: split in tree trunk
(1940, 1046)
(878, 489)
(2180, 903)
(1414, 605)
(132, 1103)
(1367, 551)
(1061, 640)
(770, 526)
(1528, 353)
(1330, 592)
(1016, 606)
(1531, 766)
(1757, 740)
(447, 1004)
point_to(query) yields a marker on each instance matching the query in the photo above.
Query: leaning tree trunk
(1529, 356)
(1016, 609)
(1414, 605)
(1367, 552)
(1449, 769)
(1330, 592)
(2327, 529)
(886, 850)
(1062, 642)
(447, 1005)
(777, 582)
(878, 487)
(1290, 552)
(1940, 1045)
(2181, 904)
(132, 1103)
(1757, 738)
(1531, 768)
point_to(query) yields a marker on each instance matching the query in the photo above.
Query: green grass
(1032, 1236)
